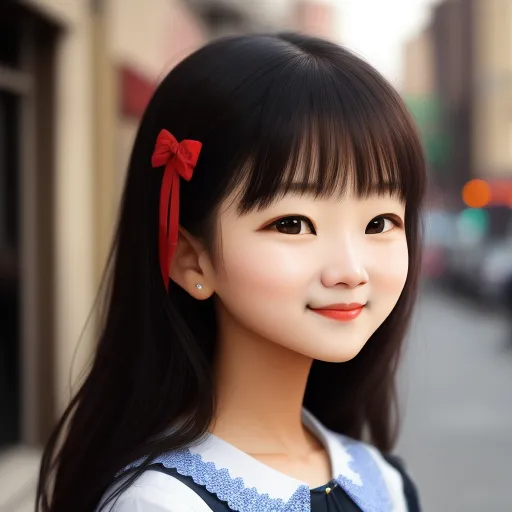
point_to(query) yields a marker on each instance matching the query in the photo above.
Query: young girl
(265, 267)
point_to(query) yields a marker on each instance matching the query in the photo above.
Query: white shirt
(359, 468)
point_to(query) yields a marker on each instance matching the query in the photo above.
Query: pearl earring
(199, 286)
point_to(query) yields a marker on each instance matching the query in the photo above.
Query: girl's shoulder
(153, 491)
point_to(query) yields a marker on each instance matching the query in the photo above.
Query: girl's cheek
(267, 265)
(392, 267)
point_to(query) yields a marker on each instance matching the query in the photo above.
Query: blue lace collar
(248, 485)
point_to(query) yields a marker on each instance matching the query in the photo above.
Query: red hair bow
(179, 159)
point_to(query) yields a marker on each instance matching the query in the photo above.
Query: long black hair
(265, 108)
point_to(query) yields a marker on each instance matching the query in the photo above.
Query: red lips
(340, 312)
(342, 307)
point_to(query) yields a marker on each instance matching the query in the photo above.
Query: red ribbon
(179, 159)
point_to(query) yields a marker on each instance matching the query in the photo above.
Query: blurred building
(420, 93)
(419, 73)
(315, 17)
(457, 81)
(492, 89)
(453, 37)
(75, 77)
(438, 88)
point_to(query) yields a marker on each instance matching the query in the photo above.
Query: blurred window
(10, 41)
(8, 165)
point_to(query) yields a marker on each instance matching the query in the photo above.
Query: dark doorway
(28, 42)
(9, 270)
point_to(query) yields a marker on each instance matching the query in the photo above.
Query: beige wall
(153, 36)
(492, 136)
(418, 67)
(74, 187)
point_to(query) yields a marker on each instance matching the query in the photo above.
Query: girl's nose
(346, 267)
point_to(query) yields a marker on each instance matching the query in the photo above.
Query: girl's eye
(380, 224)
(294, 225)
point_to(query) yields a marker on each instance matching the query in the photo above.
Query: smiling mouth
(340, 312)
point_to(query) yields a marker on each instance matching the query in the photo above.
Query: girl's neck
(259, 390)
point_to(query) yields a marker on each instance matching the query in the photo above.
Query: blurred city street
(457, 393)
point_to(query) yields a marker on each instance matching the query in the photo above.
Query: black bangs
(323, 128)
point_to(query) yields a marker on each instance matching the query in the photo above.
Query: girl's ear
(191, 267)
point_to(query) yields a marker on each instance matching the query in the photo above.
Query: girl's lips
(343, 306)
(341, 312)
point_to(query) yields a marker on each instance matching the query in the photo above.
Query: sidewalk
(19, 467)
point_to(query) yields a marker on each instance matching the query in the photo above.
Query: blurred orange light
(476, 193)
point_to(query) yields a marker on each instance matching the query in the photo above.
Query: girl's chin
(336, 354)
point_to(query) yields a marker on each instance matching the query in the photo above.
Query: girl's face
(290, 272)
